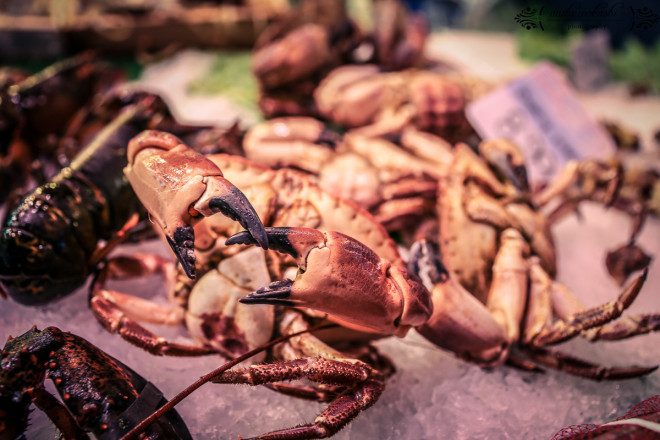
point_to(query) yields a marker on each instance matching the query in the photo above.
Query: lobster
(58, 232)
(48, 240)
(99, 394)
(36, 111)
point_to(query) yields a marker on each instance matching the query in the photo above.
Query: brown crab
(283, 197)
(497, 250)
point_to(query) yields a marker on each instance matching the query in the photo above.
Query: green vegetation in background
(537, 46)
(634, 64)
(637, 64)
(230, 76)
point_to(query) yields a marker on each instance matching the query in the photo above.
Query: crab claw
(508, 159)
(179, 186)
(341, 276)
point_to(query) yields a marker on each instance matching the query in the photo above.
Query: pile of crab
(289, 226)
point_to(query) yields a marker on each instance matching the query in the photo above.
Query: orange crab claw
(179, 186)
(344, 278)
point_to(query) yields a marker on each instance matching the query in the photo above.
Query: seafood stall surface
(432, 393)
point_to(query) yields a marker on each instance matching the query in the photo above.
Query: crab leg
(626, 327)
(305, 345)
(179, 186)
(566, 305)
(119, 313)
(301, 141)
(366, 387)
(587, 319)
(565, 362)
(539, 304)
(595, 174)
(508, 292)
(341, 276)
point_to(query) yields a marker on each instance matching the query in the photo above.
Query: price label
(540, 113)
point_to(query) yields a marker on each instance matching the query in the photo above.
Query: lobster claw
(179, 186)
(344, 278)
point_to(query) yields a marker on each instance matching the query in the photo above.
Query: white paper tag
(541, 114)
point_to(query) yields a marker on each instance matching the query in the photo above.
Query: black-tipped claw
(278, 239)
(426, 264)
(237, 207)
(182, 243)
(517, 174)
(274, 294)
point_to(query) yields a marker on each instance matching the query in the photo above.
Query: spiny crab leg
(579, 367)
(365, 387)
(341, 276)
(587, 319)
(179, 186)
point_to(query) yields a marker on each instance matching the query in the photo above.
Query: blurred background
(41, 30)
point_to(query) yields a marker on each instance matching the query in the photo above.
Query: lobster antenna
(140, 427)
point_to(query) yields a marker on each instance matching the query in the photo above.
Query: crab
(353, 282)
(494, 242)
(489, 230)
(282, 197)
(497, 250)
